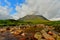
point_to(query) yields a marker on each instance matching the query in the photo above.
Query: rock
(58, 37)
(47, 36)
(38, 35)
(59, 34)
(51, 33)
(54, 35)
(40, 25)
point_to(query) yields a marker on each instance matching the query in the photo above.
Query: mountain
(29, 19)
(34, 18)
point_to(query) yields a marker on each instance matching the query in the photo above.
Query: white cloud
(47, 8)
(21, 12)
(54, 19)
(4, 12)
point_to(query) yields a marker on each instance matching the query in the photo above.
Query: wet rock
(38, 35)
(46, 36)
(57, 37)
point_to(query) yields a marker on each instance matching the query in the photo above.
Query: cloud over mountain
(48, 8)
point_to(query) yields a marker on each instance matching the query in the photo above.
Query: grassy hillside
(34, 19)
(10, 22)
(30, 19)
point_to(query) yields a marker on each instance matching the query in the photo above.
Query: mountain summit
(33, 17)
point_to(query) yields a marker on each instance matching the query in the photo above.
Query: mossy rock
(38, 35)
(58, 38)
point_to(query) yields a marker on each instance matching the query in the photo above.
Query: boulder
(38, 35)
(57, 37)
(46, 36)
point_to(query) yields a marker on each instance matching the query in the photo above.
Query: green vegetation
(10, 22)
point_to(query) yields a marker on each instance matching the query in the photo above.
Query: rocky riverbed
(29, 32)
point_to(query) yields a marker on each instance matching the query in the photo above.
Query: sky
(8, 8)
(15, 9)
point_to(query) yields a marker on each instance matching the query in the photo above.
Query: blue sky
(12, 5)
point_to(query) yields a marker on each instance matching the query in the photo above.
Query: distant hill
(34, 18)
